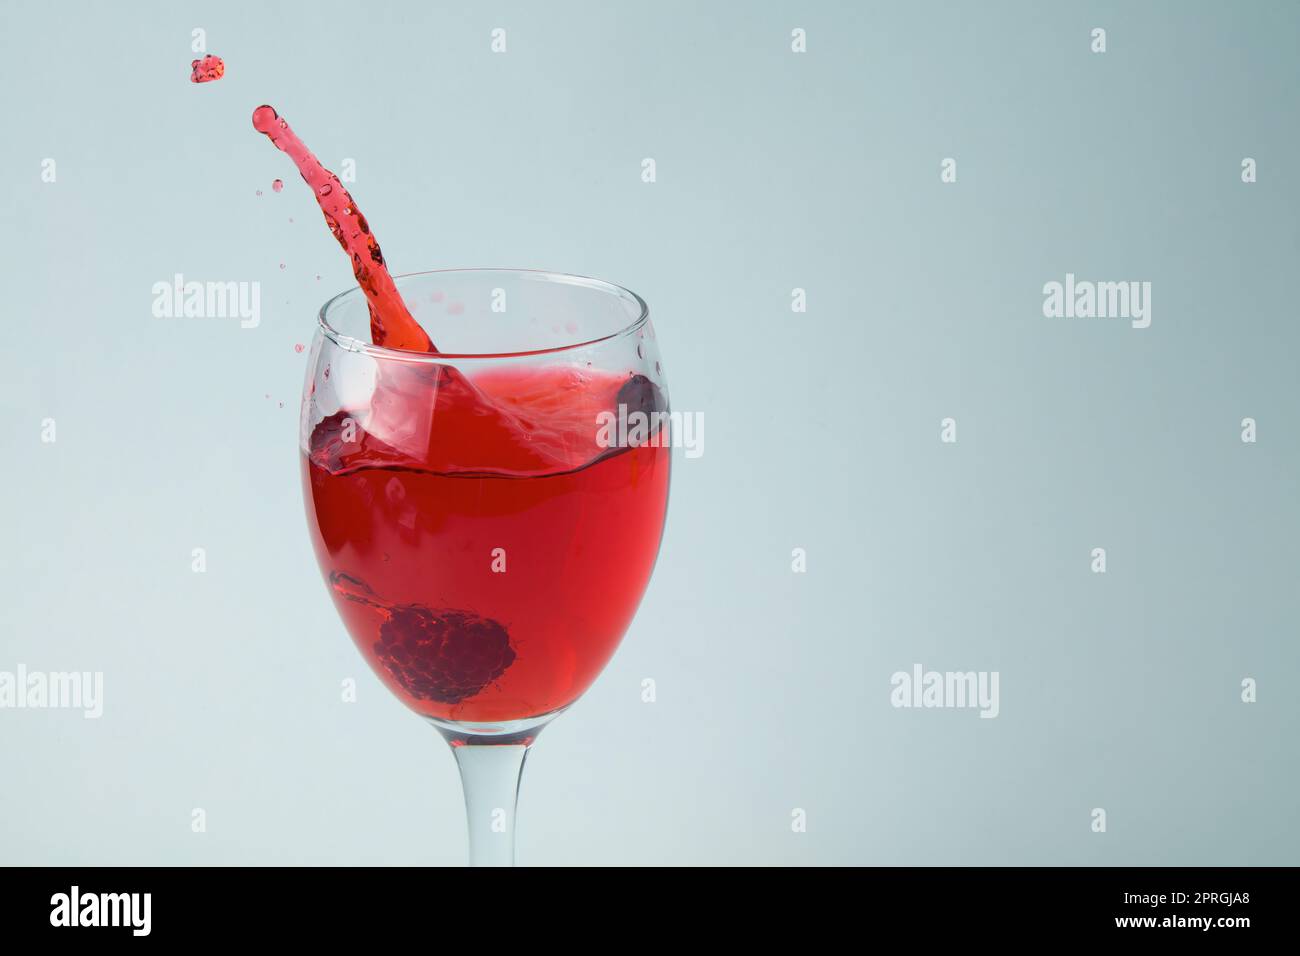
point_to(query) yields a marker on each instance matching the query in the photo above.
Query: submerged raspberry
(642, 402)
(333, 438)
(639, 394)
(339, 443)
(446, 655)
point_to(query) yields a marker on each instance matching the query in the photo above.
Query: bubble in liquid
(277, 185)
(281, 265)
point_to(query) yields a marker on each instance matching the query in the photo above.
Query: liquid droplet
(264, 118)
(298, 347)
(278, 185)
(207, 69)
(281, 265)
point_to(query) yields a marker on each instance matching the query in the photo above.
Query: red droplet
(207, 69)
(299, 347)
(264, 118)
(277, 185)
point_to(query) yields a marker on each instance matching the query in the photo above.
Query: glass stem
(490, 775)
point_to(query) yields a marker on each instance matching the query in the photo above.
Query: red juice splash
(391, 325)
(207, 69)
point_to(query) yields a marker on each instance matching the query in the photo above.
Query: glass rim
(356, 345)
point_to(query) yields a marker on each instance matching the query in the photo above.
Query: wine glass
(487, 517)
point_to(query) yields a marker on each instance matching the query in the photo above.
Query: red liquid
(485, 553)
(391, 325)
(207, 69)
(440, 472)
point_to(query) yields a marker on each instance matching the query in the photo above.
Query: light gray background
(775, 170)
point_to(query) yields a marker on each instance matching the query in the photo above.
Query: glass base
(523, 732)
(491, 758)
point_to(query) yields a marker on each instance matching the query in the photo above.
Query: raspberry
(640, 394)
(446, 655)
(328, 447)
(339, 444)
(207, 69)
